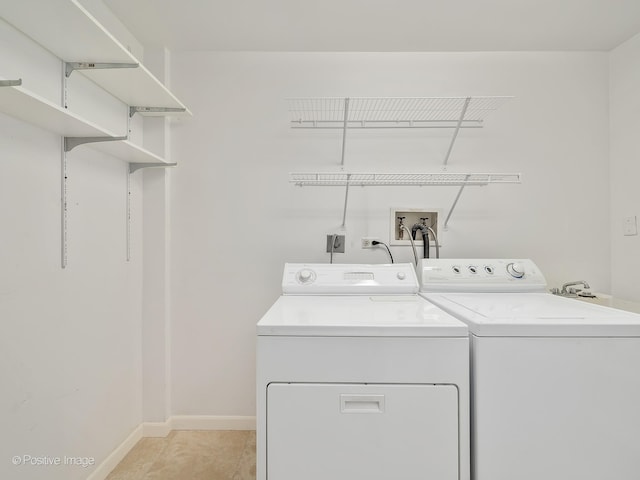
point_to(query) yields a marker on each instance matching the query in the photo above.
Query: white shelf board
(24, 105)
(405, 179)
(71, 33)
(127, 151)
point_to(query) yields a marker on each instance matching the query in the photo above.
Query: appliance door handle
(361, 403)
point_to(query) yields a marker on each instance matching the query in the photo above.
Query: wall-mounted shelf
(347, 180)
(346, 113)
(402, 179)
(71, 33)
(24, 105)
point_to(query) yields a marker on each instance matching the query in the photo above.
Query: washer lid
(361, 316)
(536, 315)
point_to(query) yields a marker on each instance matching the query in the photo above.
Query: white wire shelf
(347, 113)
(402, 179)
(347, 180)
(392, 112)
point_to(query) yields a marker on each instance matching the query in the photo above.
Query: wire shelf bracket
(347, 180)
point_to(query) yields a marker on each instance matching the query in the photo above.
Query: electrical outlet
(338, 243)
(367, 242)
(630, 226)
(410, 217)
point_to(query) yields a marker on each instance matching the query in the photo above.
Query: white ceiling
(381, 25)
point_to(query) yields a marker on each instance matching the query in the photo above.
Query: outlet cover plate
(367, 242)
(338, 246)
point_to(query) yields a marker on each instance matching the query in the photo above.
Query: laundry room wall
(236, 219)
(70, 348)
(625, 169)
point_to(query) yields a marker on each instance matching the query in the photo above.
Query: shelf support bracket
(344, 130)
(138, 109)
(455, 202)
(69, 67)
(455, 132)
(137, 166)
(346, 199)
(72, 142)
(11, 83)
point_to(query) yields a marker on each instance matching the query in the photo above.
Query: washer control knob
(473, 269)
(401, 275)
(305, 276)
(516, 270)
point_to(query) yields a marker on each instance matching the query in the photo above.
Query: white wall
(70, 356)
(236, 219)
(625, 168)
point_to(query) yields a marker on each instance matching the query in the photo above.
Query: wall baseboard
(104, 469)
(212, 422)
(162, 429)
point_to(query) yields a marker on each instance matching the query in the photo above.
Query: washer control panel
(480, 275)
(349, 279)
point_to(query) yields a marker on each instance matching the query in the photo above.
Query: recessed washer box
(411, 217)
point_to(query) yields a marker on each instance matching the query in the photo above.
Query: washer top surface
(358, 315)
(536, 314)
(355, 300)
(508, 298)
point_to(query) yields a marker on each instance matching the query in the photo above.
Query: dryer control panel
(480, 275)
(349, 279)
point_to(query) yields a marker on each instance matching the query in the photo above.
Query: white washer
(555, 391)
(358, 377)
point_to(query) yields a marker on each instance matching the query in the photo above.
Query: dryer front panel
(352, 431)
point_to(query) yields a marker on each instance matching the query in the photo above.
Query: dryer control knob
(305, 276)
(516, 270)
(401, 275)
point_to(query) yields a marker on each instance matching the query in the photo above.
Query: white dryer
(358, 377)
(555, 383)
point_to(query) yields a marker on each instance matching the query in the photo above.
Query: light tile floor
(191, 455)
